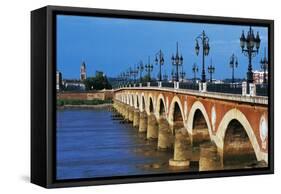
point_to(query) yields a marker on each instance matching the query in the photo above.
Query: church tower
(83, 71)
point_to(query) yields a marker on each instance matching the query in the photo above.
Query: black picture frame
(43, 95)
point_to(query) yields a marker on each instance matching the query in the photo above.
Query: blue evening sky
(113, 45)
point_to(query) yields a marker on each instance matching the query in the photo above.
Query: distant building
(258, 76)
(58, 81)
(215, 81)
(83, 74)
(73, 85)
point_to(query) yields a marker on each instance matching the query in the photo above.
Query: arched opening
(237, 151)
(177, 113)
(162, 108)
(200, 131)
(177, 118)
(151, 108)
(143, 104)
(137, 101)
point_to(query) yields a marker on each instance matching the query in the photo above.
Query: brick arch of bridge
(235, 114)
(127, 98)
(150, 104)
(143, 103)
(161, 107)
(132, 100)
(136, 100)
(174, 101)
(197, 105)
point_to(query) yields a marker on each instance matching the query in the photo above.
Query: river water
(90, 144)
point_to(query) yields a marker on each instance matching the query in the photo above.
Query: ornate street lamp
(250, 47)
(177, 61)
(182, 74)
(211, 70)
(195, 70)
(173, 74)
(140, 69)
(128, 76)
(159, 60)
(124, 76)
(134, 73)
(264, 66)
(205, 51)
(120, 79)
(148, 69)
(233, 64)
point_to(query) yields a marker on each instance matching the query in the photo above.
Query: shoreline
(85, 106)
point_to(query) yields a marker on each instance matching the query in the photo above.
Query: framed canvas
(126, 96)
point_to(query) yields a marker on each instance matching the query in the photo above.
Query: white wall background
(15, 94)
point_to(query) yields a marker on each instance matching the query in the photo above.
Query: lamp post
(125, 77)
(122, 76)
(148, 69)
(140, 69)
(250, 47)
(120, 79)
(173, 74)
(264, 66)
(233, 64)
(195, 70)
(182, 74)
(159, 60)
(211, 70)
(134, 73)
(205, 51)
(177, 61)
(128, 76)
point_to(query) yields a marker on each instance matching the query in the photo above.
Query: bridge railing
(225, 88)
(168, 84)
(189, 86)
(153, 84)
(262, 90)
(236, 88)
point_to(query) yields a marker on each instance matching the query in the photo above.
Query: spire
(83, 71)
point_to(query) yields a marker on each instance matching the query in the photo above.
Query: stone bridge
(234, 127)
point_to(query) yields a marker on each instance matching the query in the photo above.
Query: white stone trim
(189, 123)
(160, 97)
(172, 107)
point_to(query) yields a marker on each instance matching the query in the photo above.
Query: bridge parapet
(214, 95)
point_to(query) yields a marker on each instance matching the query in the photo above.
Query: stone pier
(176, 125)
(209, 157)
(143, 122)
(182, 149)
(131, 114)
(152, 127)
(165, 136)
(136, 119)
(126, 113)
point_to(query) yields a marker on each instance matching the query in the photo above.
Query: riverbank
(85, 106)
(95, 103)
